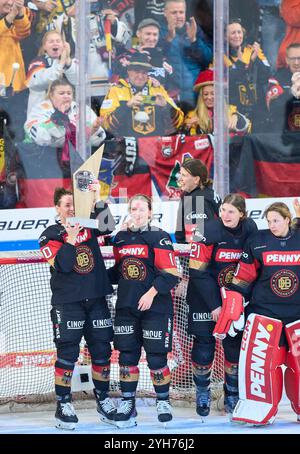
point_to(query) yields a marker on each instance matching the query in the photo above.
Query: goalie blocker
(260, 372)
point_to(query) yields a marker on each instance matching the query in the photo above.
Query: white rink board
(28, 224)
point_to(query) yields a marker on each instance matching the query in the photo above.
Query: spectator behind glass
(52, 122)
(14, 27)
(153, 9)
(148, 36)
(249, 72)
(53, 62)
(187, 47)
(290, 12)
(100, 57)
(248, 12)
(281, 97)
(201, 119)
(135, 107)
(272, 29)
(50, 15)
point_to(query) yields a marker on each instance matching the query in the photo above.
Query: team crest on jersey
(105, 373)
(158, 377)
(124, 373)
(226, 275)
(66, 378)
(143, 124)
(84, 260)
(284, 283)
(133, 269)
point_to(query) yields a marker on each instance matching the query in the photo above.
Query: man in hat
(147, 35)
(137, 107)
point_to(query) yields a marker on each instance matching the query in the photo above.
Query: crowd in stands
(150, 69)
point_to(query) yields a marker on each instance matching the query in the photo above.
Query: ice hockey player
(145, 272)
(213, 259)
(79, 283)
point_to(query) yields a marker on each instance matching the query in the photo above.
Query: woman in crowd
(53, 62)
(213, 259)
(15, 24)
(79, 284)
(249, 71)
(201, 119)
(53, 122)
(145, 272)
(270, 265)
(199, 201)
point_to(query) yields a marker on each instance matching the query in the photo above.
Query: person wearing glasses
(282, 92)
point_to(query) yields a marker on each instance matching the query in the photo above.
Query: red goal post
(27, 352)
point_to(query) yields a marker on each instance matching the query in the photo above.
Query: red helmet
(204, 78)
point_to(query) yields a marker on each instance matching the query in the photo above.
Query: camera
(147, 99)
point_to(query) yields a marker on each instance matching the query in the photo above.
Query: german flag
(269, 165)
(41, 172)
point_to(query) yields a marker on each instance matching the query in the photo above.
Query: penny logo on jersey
(84, 260)
(284, 283)
(133, 269)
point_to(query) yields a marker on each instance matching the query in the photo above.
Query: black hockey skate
(106, 409)
(202, 401)
(65, 415)
(126, 413)
(230, 401)
(164, 411)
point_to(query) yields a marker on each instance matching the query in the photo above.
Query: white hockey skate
(164, 411)
(106, 409)
(126, 414)
(65, 415)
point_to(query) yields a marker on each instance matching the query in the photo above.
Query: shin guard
(292, 373)
(260, 374)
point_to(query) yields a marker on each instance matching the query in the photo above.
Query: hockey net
(27, 352)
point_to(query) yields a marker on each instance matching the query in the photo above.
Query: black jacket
(195, 207)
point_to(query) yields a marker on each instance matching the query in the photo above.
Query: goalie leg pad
(292, 373)
(232, 311)
(260, 374)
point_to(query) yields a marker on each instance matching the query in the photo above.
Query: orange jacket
(290, 12)
(10, 49)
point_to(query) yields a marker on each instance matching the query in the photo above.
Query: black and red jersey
(77, 272)
(213, 259)
(272, 265)
(144, 258)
